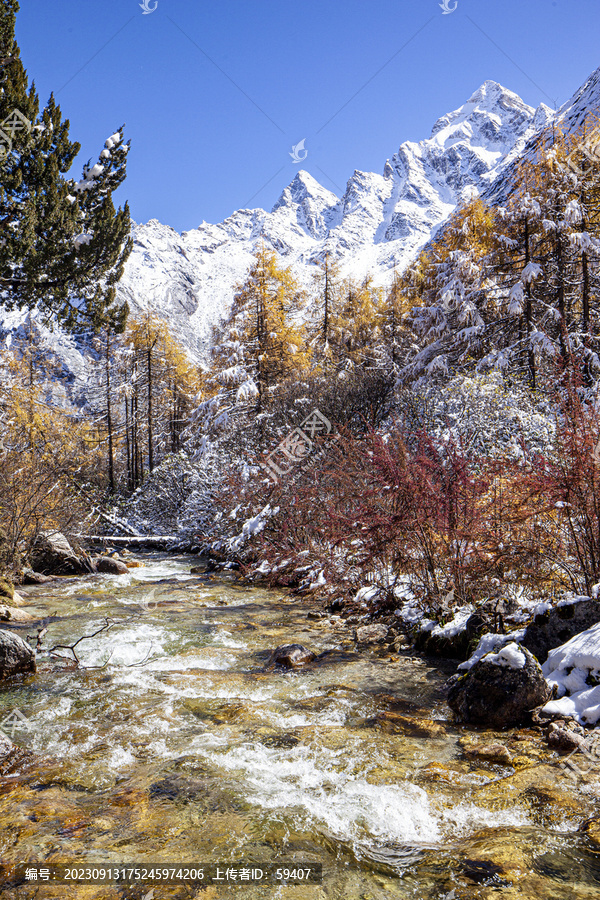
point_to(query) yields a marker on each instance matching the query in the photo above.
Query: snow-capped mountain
(379, 223)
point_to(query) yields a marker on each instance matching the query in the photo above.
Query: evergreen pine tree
(62, 245)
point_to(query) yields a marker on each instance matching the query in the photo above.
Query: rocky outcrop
(16, 656)
(502, 689)
(108, 565)
(52, 554)
(291, 656)
(558, 625)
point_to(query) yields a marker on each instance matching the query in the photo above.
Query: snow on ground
(458, 623)
(574, 668)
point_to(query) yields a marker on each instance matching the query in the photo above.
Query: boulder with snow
(16, 656)
(573, 670)
(501, 689)
(52, 554)
(451, 640)
(556, 625)
(491, 643)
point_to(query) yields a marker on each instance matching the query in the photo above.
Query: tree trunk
(128, 448)
(150, 421)
(529, 314)
(111, 466)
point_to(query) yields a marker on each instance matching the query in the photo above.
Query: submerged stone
(495, 753)
(291, 656)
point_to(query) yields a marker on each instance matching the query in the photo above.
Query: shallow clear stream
(174, 742)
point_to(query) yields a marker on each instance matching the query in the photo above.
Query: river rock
(31, 577)
(500, 690)
(8, 596)
(591, 828)
(291, 656)
(16, 656)
(52, 554)
(178, 787)
(413, 726)
(14, 614)
(110, 566)
(371, 634)
(565, 737)
(496, 753)
(558, 625)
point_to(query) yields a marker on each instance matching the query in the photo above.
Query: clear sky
(215, 94)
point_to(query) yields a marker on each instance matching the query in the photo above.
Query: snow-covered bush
(484, 414)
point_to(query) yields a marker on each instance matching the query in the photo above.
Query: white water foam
(330, 788)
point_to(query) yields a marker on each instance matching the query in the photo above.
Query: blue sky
(215, 94)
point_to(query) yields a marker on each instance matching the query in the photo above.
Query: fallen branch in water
(86, 637)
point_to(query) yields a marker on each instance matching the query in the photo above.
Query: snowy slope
(380, 222)
(582, 107)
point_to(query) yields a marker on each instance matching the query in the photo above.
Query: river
(174, 742)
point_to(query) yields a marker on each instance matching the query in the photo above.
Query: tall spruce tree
(62, 244)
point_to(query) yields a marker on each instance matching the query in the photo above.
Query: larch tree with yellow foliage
(48, 459)
(261, 343)
(158, 386)
(356, 324)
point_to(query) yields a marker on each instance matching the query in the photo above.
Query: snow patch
(491, 643)
(574, 669)
(509, 657)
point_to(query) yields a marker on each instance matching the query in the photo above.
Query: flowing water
(173, 741)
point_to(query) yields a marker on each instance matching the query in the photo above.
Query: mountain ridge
(380, 222)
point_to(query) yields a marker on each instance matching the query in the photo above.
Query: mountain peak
(491, 102)
(490, 92)
(304, 187)
(584, 105)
